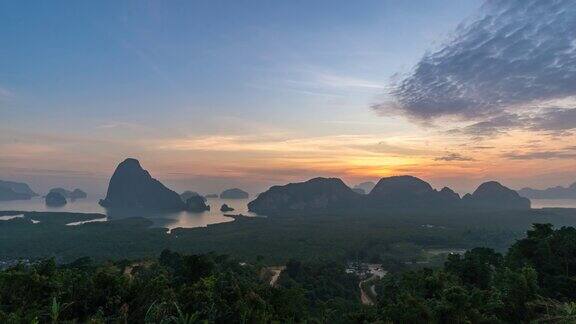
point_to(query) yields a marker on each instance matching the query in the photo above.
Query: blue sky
(113, 61)
(84, 84)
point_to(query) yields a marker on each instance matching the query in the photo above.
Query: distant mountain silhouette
(74, 194)
(132, 187)
(210, 196)
(55, 199)
(493, 195)
(399, 192)
(409, 192)
(365, 186)
(189, 194)
(234, 193)
(17, 190)
(550, 193)
(359, 191)
(7, 194)
(314, 194)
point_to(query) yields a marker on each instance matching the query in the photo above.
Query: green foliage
(391, 237)
(175, 288)
(483, 286)
(533, 282)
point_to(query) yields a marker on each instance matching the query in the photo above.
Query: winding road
(365, 297)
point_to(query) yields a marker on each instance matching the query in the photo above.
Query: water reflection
(5, 218)
(95, 220)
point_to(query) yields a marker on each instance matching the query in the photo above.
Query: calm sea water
(187, 219)
(168, 220)
(562, 203)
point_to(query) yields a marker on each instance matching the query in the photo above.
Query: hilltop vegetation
(532, 282)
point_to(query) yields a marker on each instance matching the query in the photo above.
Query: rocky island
(74, 194)
(196, 204)
(189, 194)
(234, 193)
(225, 208)
(10, 190)
(55, 199)
(409, 192)
(315, 194)
(391, 193)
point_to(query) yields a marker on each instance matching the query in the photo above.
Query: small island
(226, 208)
(234, 193)
(10, 190)
(189, 194)
(74, 194)
(55, 199)
(196, 204)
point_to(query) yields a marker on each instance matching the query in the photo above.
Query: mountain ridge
(397, 192)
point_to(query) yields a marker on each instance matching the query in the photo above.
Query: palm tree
(557, 312)
(56, 309)
(182, 318)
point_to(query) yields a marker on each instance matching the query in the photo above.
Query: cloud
(544, 155)
(491, 126)
(511, 55)
(451, 157)
(482, 147)
(119, 124)
(555, 120)
(567, 152)
(5, 94)
(549, 120)
(315, 81)
(393, 149)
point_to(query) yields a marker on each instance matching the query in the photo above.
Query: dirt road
(276, 274)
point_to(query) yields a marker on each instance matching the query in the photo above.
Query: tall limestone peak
(133, 187)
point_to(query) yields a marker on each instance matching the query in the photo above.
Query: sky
(216, 94)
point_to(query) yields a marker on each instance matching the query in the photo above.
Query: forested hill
(533, 281)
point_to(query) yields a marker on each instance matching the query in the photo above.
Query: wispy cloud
(320, 82)
(451, 157)
(119, 124)
(6, 94)
(346, 82)
(345, 145)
